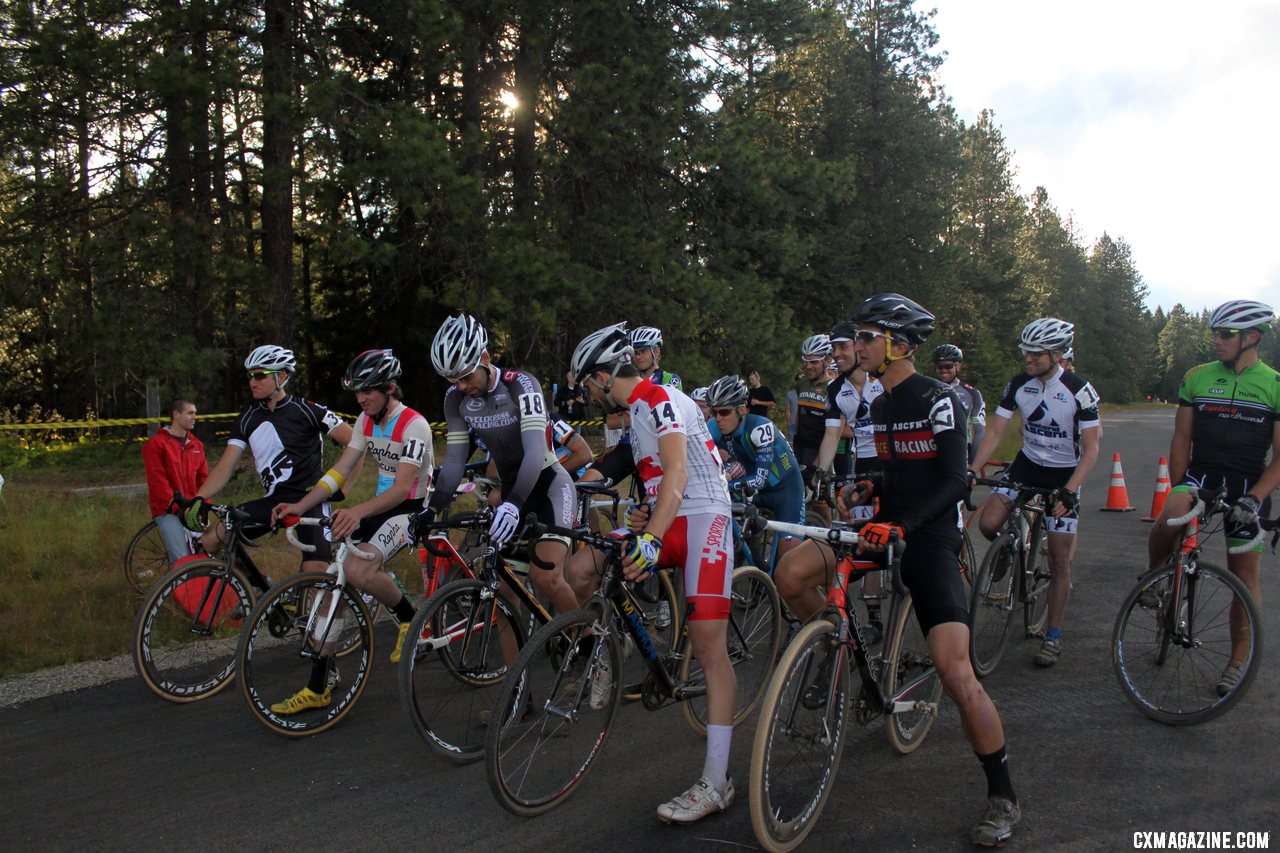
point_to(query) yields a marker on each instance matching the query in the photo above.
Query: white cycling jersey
(658, 410)
(846, 401)
(1053, 415)
(405, 438)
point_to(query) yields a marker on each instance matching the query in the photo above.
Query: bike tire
(797, 747)
(1035, 603)
(448, 690)
(146, 560)
(1172, 678)
(754, 638)
(910, 677)
(274, 661)
(185, 632)
(968, 558)
(991, 606)
(551, 736)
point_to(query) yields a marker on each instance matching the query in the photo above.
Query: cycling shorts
(1236, 485)
(701, 545)
(805, 456)
(553, 500)
(260, 522)
(388, 531)
(1028, 473)
(931, 570)
(617, 464)
(785, 500)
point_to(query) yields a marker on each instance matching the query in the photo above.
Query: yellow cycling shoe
(304, 700)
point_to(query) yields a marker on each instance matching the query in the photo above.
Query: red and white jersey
(658, 410)
(406, 437)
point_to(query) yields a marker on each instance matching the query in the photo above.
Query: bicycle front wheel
(184, 636)
(911, 682)
(798, 743)
(1170, 647)
(556, 706)
(449, 681)
(146, 560)
(1035, 604)
(754, 637)
(296, 627)
(991, 606)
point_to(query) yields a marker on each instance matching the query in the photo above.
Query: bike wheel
(184, 636)
(910, 682)
(797, 747)
(551, 734)
(1169, 651)
(449, 681)
(991, 606)
(146, 560)
(754, 636)
(1035, 604)
(662, 615)
(968, 558)
(289, 628)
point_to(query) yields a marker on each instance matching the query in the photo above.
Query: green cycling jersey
(1234, 416)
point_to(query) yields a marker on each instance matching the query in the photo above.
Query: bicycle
(1172, 637)
(806, 709)
(1014, 571)
(184, 636)
(309, 617)
(146, 558)
(558, 708)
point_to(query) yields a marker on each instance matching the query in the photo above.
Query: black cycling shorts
(617, 464)
(259, 512)
(931, 570)
(1236, 485)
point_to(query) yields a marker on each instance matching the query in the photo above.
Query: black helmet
(896, 314)
(375, 368)
(948, 352)
(842, 331)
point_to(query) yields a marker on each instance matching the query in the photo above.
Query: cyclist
(508, 413)
(399, 439)
(284, 433)
(1228, 418)
(699, 396)
(648, 346)
(947, 360)
(688, 526)
(1061, 431)
(849, 399)
(1069, 359)
(811, 404)
(921, 445)
(756, 455)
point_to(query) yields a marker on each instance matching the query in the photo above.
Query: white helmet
(608, 347)
(646, 336)
(1048, 334)
(457, 347)
(816, 346)
(699, 394)
(1242, 314)
(727, 391)
(1069, 354)
(273, 358)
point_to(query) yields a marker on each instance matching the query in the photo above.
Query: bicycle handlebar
(291, 523)
(830, 535)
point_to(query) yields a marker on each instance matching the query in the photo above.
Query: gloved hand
(734, 470)
(506, 518)
(419, 524)
(644, 551)
(177, 504)
(635, 517)
(877, 533)
(1067, 498)
(1244, 510)
(195, 517)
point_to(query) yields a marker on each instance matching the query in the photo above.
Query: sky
(1154, 121)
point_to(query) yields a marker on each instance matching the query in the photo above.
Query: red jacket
(172, 466)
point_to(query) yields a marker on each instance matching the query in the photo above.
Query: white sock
(716, 767)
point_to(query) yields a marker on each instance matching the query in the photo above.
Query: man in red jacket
(174, 460)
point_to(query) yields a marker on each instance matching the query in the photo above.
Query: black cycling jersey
(922, 448)
(1234, 416)
(811, 421)
(286, 442)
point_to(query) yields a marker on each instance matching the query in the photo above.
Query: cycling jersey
(659, 377)
(844, 400)
(405, 438)
(763, 455)
(811, 421)
(921, 444)
(562, 432)
(975, 409)
(286, 442)
(511, 420)
(659, 410)
(1053, 415)
(1234, 416)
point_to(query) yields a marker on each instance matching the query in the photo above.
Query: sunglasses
(946, 365)
(261, 374)
(813, 360)
(866, 336)
(723, 413)
(1225, 334)
(1035, 353)
(458, 380)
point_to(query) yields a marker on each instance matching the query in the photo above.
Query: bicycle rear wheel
(448, 684)
(146, 560)
(289, 629)
(1035, 605)
(911, 683)
(552, 732)
(1168, 651)
(968, 558)
(991, 606)
(754, 637)
(184, 636)
(800, 738)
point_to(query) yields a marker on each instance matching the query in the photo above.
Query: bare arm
(1180, 444)
(221, 473)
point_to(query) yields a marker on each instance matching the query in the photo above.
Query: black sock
(403, 610)
(319, 675)
(996, 766)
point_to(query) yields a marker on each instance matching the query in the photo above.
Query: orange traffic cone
(1162, 490)
(1117, 495)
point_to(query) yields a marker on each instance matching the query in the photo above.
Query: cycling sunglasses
(261, 374)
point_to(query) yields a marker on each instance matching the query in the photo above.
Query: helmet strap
(889, 357)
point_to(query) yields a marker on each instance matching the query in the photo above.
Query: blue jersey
(760, 451)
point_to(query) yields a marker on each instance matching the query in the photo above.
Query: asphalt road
(113, 768)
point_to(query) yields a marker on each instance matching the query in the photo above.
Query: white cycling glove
(506, 518)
